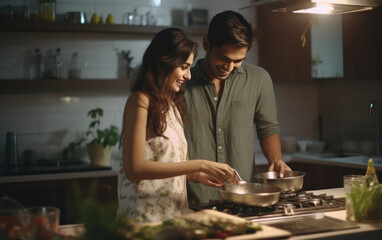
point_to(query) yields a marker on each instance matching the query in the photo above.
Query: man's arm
(271, 147)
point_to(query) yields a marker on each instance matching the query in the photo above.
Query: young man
(224, 99)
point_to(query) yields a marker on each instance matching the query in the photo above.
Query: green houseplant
(98, 141)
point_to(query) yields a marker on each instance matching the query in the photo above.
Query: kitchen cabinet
(280, 46)
(362, 44)
(114, 29)
(60, 193)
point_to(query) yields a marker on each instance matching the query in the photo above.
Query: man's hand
(279, 166)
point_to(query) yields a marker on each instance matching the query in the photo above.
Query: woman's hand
(214, 174)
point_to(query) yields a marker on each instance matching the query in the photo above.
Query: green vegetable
(371, 176)
(367, 197)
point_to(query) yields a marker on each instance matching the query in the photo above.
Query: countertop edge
(58, 176)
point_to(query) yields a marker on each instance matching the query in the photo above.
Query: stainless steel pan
(292, 180)
(252, 194)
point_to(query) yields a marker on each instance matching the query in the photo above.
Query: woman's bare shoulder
(139, 99)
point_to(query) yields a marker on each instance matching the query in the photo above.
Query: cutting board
(267, 232)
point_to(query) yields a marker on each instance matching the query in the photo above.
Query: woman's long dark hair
(169, 49)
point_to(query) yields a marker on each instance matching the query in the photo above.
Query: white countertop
(368, 230)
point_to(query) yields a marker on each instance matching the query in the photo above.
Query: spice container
(75, 67)
(48, 10)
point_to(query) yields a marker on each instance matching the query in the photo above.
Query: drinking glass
(349, 181)
(39, 222)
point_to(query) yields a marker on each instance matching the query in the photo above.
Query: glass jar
(48, 10)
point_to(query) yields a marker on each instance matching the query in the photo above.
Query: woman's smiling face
(180, 74)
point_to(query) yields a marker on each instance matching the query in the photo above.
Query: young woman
(152, 178)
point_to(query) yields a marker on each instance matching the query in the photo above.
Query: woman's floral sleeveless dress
(160, 199)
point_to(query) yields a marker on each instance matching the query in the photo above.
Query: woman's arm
(137, 168)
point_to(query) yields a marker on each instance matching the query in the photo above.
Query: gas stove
(297, 212)
(294, 203)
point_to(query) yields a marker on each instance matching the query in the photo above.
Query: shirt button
(215, 98)
(219, 129)
(220, 147)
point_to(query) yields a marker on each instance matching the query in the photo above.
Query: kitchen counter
(325, 158)
(369, 231)
(365, 231)
(328, 158)
(77, 173)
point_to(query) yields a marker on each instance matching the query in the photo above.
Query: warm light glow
(69, 99)
(318, 9)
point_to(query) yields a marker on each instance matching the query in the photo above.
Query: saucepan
(76, 17)
(252, 194)
(292, 180)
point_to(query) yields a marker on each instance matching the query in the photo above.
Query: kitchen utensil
(241, 181)
(76, 17)
(252, 194)
(11, 150)
(292, 180)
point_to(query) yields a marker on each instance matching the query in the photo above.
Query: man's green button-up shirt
(222, 130)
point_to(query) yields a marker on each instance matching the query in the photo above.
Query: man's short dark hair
(230, 27)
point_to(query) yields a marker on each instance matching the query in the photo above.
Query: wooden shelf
(21, 84)
(94, 28)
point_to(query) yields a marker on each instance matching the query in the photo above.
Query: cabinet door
(280, 45)
(362, 36)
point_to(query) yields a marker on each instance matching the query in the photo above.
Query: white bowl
(316, 146)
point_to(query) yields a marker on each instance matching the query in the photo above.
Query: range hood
(318, 6)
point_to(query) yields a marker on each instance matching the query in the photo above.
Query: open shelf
(95, 28)
(21, 84)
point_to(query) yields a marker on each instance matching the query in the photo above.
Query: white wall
(46, 123)
(41, 119)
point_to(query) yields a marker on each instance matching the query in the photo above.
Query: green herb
(99, 219)
(371, 176)
(94, 135)
(367, 198)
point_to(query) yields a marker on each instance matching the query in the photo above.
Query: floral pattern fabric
(159, 199)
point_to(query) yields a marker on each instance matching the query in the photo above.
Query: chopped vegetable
(197, 226)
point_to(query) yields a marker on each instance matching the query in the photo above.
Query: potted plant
(99, 142)
(315, 62)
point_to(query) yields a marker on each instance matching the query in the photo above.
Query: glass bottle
(75, 67)
(57, 66)
(48, 10)
(37, 64)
